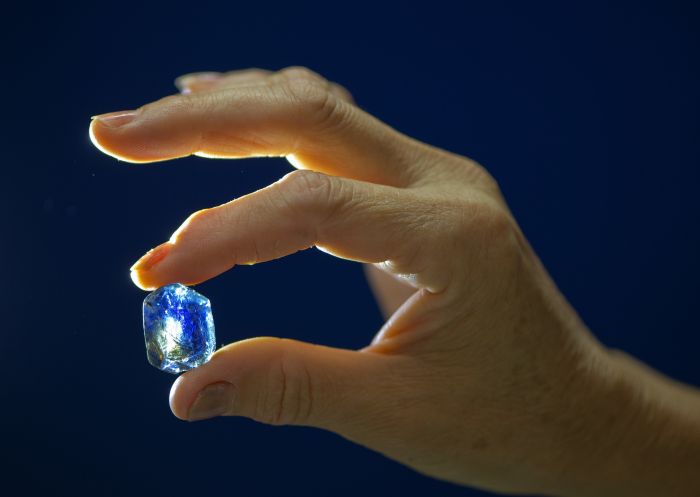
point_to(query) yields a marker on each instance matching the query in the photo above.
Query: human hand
(484, 376)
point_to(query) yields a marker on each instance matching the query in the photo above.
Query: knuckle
(494, 222)
(487, 223)
(203, 219)
(313, 197)
(483, 233)
(317, 105)
(487, 178)
(196, 223)
(200, 216)
(306, 187)
(342, 92)
(479, 175)
(302, 196)
(288, 394)
(300, 72)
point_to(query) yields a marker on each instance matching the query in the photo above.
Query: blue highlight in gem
(178, 327)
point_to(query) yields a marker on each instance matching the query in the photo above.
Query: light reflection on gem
(178, 328)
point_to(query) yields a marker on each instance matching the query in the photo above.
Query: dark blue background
(587, 114)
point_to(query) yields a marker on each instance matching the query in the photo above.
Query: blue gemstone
(178, 328)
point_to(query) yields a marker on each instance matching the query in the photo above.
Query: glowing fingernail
(152, 257)
(116, 119)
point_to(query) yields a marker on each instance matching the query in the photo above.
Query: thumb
(280, 381)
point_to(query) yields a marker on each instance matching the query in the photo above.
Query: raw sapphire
(178, 327)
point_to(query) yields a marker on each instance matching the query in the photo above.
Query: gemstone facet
(178, 327)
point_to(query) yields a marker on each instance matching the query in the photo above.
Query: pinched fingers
(380, 197)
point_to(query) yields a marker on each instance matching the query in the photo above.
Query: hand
(483, 375)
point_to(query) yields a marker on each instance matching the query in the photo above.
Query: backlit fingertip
(95, 141)
(137, 280)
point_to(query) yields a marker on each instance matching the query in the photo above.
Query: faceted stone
(178, 327)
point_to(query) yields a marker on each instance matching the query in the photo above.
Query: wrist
(636, 432)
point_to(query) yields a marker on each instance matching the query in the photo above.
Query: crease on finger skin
(402, 329)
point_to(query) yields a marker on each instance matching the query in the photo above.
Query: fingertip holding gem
(178, 328)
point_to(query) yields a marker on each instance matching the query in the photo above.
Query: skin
(483, 374)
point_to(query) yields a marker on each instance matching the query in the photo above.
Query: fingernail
(214, 400)
(183, 82)
(152, 257)
(116, 119)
